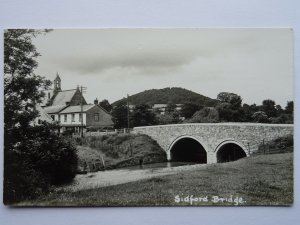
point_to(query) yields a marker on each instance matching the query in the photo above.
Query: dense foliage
(106, 105)
(34, 156)
(40, 159)
(205, 115)
(119, 116)
(189, 109)
(196, 108)
(143, 116)
(173, 95)
(229, 108)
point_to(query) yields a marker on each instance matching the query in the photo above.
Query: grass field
(257, 180)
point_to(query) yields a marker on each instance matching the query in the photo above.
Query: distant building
(179, 107)
(65, 107)
(158, 108)
(161, 108)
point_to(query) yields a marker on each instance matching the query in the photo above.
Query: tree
(28, 147)
(106, 105)
(167, 119)
(230, 109)
(205, 115)
(269, 107)
(188, 109)
(21, 85)
(260, 117)
(289, 109)
(42, 159)
(119, 116)
(234, 99)
(171, 107)
(228, 113)
(143, 116)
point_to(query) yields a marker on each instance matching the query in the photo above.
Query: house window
(59, 117)
(73, 117)
(80, 117)
(48, 95)
(52, 116)
(96, 116)
(65, 117)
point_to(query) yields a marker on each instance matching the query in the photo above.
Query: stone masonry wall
(212, 135)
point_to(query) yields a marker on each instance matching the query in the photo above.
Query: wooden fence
(108, 132)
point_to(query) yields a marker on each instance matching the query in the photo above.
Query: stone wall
(213, 135)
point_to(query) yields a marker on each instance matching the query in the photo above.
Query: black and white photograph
(148, 117)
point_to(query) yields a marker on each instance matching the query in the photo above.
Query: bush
(281, 143)
(205, 115)
(42, 159)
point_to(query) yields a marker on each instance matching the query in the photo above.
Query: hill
(174, 95)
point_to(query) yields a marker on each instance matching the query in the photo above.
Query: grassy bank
(116, 151)
(257, 180)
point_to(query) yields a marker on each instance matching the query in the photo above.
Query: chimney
(96, 101)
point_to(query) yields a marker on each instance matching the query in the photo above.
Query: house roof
(45, 100)
(43, 114)
(77, 108)
(54, 109)
(159, 105)
(63, 97)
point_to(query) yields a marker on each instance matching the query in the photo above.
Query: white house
(64, 106)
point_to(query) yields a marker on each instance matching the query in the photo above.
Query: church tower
(57, 83)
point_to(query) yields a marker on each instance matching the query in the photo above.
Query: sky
(256, 64)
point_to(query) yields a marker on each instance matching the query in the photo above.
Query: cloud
(255, 63)
(139, 60)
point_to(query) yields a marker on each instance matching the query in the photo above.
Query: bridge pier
(168, 155)
(211, 157)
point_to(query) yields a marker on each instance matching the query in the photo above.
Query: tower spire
(57, 83)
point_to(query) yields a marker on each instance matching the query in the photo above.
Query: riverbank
(257, 180)
(116, 151)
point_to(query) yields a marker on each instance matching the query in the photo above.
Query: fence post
(103, 162)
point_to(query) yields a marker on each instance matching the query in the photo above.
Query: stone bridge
(213, 142)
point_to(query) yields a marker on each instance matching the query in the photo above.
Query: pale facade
(67, 106)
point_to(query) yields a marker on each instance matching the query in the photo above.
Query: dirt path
(121, 176)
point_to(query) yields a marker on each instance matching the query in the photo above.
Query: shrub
(205, 115)
(42, 159)
(280, 143)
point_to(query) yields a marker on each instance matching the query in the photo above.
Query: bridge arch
(187, 148)
(230, 150)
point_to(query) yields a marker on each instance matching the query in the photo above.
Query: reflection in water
(159, 165)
